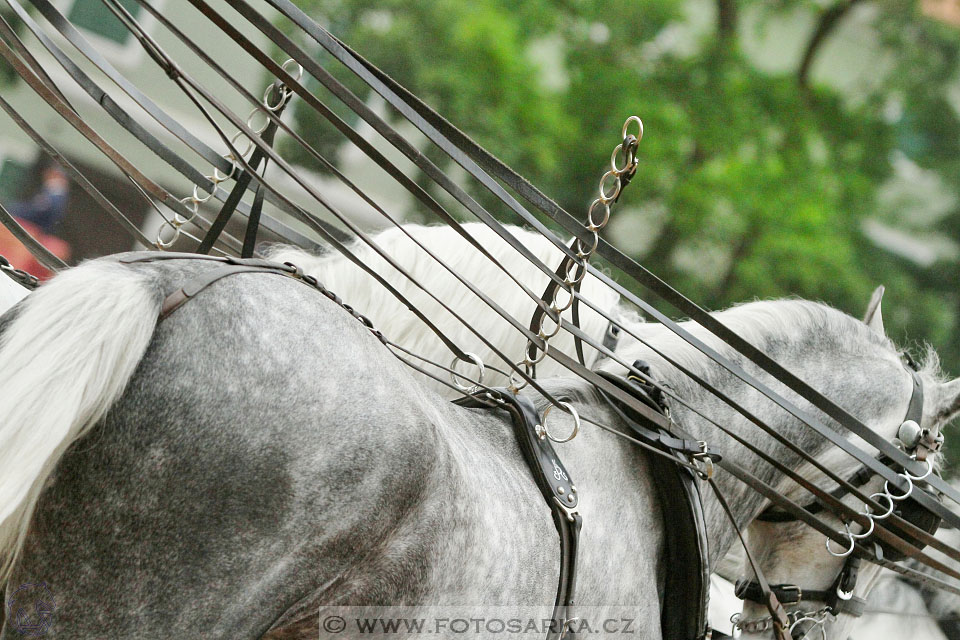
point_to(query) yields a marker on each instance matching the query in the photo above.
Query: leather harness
(687, 550)
(904, 536)
(686, 591)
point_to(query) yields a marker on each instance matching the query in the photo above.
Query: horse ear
(949, 401)
(873, 317)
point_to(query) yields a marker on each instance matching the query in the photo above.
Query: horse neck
(745, 503)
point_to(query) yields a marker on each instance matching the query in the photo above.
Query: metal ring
(606, 213)
(886, 488)
(266, 121)
(191, 204)
(585, 254)
(233, 169)
(455, 377)
(576, 422)
(196, 195)
(233, 142)
(865, 534)
(889, 501)
(299, 73)
(285, 94)
(545, 336)
(176, 234)
(847, 552)
(626, 126)
(516, 383)
(566, 306)
(581, 272)
(543, 353)
(629, 164)
(808, 618)
(924, 476)
(616, 191)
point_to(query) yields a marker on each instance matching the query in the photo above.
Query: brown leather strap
(781, 623)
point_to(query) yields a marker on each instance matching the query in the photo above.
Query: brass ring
(626, 127)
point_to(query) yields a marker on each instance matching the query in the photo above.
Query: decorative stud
(909, 434)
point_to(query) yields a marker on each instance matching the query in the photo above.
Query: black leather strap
(838, 597)
(687, 583)
(130, 124)
(37, 250)
(555, 485)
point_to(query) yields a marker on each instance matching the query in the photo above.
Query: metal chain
(818, 618)
(19, 275)
(610, 188)
(873, 518)
(272, 101)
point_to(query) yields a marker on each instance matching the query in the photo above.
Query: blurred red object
(18, 255)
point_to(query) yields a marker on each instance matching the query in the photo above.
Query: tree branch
(726, 20)
(829, 20)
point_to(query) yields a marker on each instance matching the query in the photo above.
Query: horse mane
(359, 289)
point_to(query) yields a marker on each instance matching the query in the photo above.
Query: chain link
(817, 618)
(610, 188)
(275, 97)
(872, 517)
(26, 279)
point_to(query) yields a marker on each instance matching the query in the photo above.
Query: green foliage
(765, 180)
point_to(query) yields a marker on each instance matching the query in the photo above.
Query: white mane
(359, 290)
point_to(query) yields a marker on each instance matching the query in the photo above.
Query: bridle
(915, 441)
(838, 598)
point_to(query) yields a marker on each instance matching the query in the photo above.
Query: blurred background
(793, 147)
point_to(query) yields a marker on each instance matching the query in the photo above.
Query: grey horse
(259, 459)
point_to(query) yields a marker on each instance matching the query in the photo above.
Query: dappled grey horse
(260, 457)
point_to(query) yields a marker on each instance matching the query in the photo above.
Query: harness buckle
(784, 589)
(570, 512)
(928, 443)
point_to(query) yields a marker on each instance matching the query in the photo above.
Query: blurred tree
(752, 183)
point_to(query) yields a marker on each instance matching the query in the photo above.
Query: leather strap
(781, 623)
(555, 485)
(684, 613)
(37, 250)
(343, 54)
(839, 597)
(124, 119)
